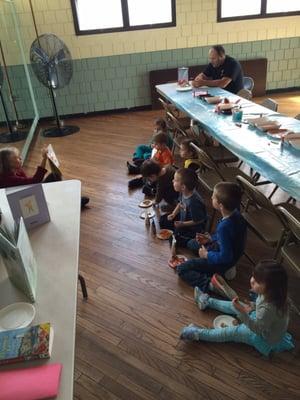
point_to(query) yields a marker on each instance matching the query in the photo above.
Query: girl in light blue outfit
(263, 323)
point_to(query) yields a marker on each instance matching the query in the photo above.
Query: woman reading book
(12, 173)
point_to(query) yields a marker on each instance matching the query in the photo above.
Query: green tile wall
(108, 83)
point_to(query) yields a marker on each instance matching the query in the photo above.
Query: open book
(53, 161)
(18, 259)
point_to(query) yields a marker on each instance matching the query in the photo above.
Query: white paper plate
(151, 214)
(223, 319)
(16, 315)
(146, 204)
(184, 88)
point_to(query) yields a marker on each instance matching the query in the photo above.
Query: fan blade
(60, 56)
(40, 54)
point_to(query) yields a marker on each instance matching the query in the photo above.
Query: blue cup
(237, 115)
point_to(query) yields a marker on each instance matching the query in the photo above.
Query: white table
(56, 248)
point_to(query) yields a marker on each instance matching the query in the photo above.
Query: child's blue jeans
(240, 333)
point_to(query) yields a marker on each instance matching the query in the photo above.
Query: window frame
(263, 13)
(126, 27)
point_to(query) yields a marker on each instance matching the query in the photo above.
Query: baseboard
(95, 113)
(80, 115)
(284, 90)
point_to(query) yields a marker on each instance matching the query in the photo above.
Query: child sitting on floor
(161, 154)
(189, 216)
(144, 152)
(189, 154)
(223, 249)
(163, 178)
(263, 323)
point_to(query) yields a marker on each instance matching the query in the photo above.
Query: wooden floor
(127, 344)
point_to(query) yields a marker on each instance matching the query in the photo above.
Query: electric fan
(52, 64)
(14, 135)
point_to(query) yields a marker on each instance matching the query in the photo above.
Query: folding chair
(248, 83)
(184, 122)
(210, 174)
(290, 251)
(262, 217)
(219, 154)
(245, 93)
(270, 104)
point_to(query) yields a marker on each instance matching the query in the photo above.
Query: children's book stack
(31, 383)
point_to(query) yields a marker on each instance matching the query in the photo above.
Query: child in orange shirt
(162, 155)
(161, 152)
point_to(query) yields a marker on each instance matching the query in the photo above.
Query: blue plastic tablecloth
(278, 163)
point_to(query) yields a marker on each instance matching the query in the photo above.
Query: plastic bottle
(153, 228)
(147, 219)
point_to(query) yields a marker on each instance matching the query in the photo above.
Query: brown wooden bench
(256, 68)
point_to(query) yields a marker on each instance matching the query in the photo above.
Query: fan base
(61, 131)
(12, 137)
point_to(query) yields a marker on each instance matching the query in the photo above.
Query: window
(102, 16)
(232, 10)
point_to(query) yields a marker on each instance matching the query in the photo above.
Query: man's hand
(203, 252)
(198, 82)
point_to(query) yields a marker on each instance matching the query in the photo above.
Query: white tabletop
(56, 247)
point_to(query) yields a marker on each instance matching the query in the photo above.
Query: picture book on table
(26, 344)
(28, 203)
(53, 161)
(18, 259)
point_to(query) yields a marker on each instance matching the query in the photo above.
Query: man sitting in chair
(222, 71)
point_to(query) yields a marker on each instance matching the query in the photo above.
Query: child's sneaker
(220, 286)
(201, 298)
(133, 169)
(190, 332)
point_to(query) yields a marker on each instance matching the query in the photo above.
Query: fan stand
(14, 135)
(59, 129)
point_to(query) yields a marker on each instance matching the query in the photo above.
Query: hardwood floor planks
(127, 344)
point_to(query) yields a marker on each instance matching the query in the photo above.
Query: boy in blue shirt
(189, 217)
(224, 248)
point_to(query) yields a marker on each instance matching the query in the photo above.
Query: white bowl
(16, 315)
